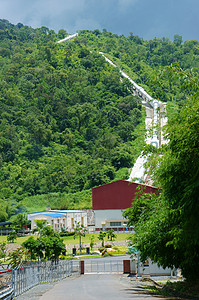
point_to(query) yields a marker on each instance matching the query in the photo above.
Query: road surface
(96, 287)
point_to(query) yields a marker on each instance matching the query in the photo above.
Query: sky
(146, 18)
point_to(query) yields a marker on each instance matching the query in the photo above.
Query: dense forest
(68, 123)
(145, 61)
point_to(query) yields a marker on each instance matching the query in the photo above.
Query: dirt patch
(11, 248)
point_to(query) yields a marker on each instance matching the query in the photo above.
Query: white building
(59, 218)
(149, 268)
(110, 200)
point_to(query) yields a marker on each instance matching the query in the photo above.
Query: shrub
(108, 246)
(62, 257)
(66, 233)
(107, 254)
(101, 249)
(115, 248)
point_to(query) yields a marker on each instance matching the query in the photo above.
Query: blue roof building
(59, 219)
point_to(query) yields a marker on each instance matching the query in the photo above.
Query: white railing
(137, 89)
(28, 275)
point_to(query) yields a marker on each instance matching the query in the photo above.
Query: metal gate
(103, 266)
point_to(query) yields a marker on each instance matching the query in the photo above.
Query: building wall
(151, 269)
(111, 199)
(73, 217)
(66, 219)
(111, 219)
(58, 223)
(55, 222)
(107, 216)
(117, 195)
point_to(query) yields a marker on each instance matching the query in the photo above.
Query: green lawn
(120, 249)
(70, 240)
(19, 240)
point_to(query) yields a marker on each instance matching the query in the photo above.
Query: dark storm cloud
(146, 18)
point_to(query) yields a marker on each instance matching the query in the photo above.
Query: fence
(27, 276)
(103, 266)
(6, 290)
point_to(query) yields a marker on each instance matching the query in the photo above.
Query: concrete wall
(66, 219)
(56, 223)
(73, 217)
(107, 216)
(152, 269)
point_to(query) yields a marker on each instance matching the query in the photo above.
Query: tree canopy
(167, 226)
(63, 113)
(48, 244)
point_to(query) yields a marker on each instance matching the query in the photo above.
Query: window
(115, 224)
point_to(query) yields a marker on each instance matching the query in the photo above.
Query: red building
(111, 199)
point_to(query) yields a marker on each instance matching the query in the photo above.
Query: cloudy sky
(146, 18)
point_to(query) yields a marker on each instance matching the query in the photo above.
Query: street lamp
(103, 225)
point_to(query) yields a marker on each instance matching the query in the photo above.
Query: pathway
(97, 287)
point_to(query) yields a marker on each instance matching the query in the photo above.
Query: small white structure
(70, 37)
(149, 268)
(59, 219)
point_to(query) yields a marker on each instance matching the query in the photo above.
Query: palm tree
(41, 224)
(111, 234)
(80, 231)
(101, 237)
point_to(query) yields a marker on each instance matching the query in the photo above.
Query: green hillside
(145, 61)
(68, 123)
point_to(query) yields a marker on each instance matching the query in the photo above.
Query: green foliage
(143, 60)
(67, 121)
(3, 250)
(142, 205)
(111, 234)
(167, 225)
(78, 200)
(67, 233)
(122, 173)
(33, 247)
(12, 236)
(20, 221)
(47, 245)
(92, 241)
(40, 227)
(16, 257)
(101, 236)
(79, 231)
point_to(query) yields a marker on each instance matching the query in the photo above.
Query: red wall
(117, 195)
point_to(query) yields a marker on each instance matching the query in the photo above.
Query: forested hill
(145, 61)
(68, 123)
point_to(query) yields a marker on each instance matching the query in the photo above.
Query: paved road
(96, 287)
